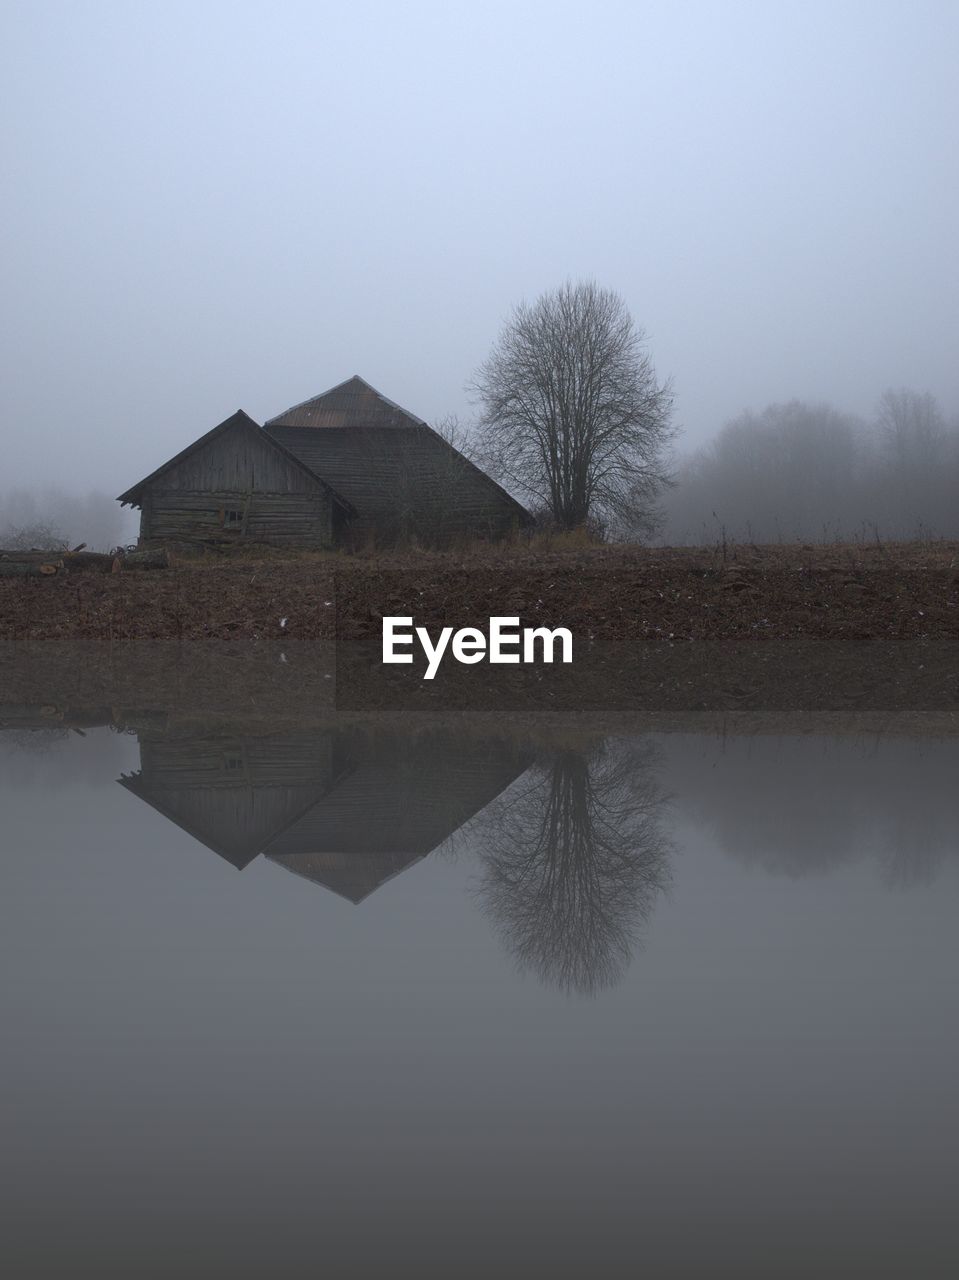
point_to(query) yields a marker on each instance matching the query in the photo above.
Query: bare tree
(458, 435)
(573, 415)
(913, 428)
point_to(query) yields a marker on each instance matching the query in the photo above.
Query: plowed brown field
(747, 595)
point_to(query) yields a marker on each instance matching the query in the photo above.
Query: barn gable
(235, 455)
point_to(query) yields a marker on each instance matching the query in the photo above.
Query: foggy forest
(807, 471)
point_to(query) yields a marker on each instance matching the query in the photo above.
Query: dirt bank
(744, 595)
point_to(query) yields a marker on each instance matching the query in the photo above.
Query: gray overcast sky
(211, 206)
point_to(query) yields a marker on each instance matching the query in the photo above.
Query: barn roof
(238, 421)
(236, 842)
(376, 469)
(367, 447)
(353, 403)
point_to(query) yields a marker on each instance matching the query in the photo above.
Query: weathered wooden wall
(236, 472)
(236, 461)
(298, 519)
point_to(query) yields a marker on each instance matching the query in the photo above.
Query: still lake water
(366, 999)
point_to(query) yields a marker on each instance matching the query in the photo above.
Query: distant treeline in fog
(48, 517)
(796, 471)
(807, 471)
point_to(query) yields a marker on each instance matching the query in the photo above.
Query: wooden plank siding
(275, 499)
(237, 460)
(282, 519)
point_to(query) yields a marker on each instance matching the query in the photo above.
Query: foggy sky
(230, 205)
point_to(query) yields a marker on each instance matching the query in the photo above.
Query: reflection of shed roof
(353, 876)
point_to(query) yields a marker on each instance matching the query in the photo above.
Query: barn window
(232, 518)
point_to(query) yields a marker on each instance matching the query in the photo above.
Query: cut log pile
(48, 564)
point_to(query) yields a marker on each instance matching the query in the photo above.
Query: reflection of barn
(344, 808)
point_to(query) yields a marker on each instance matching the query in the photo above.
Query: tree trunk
(97, 560)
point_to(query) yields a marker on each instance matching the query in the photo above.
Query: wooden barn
(346, 467)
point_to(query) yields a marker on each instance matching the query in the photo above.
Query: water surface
(374, 997)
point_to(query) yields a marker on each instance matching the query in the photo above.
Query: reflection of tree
(890, 800)
(914, 854)
(574, 860)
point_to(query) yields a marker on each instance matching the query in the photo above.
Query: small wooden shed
(237, 482)
(346, 466)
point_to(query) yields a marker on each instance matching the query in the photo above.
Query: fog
(49, 517)
(808, 471)
(232, 205)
